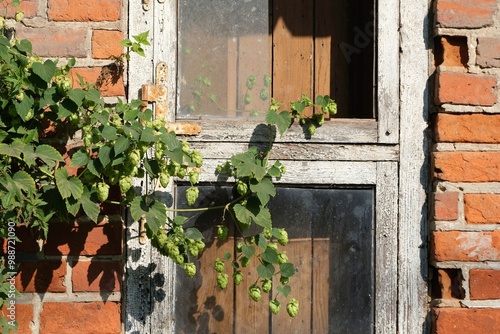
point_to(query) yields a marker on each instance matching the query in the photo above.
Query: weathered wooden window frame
(348, 152)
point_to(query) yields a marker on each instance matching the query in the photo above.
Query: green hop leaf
(102, 192)
(238, 277)
(222, 280)
(267, 285)
(292, 307)
(190, 269)
(222, 232)
(191, 195)
(274, 306)
(219, 265)
(255, 292)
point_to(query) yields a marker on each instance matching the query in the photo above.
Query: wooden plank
(253, 60)
(299, 252)
(323, 62)
(304, 151)
(320, 283)
(386, 244)
(334, 131)
(250, 317)
(215, 310)
(310, 172)
(292, 49)
(388, 70)
(232, 77)
(414, 168)
(138, 304)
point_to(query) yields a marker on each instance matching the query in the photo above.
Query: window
(331, 242)
(364, 148)
(234, 55)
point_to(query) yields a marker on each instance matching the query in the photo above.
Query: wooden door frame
(149, 283)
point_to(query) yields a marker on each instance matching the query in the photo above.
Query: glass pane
(223, 58)
(331, 243)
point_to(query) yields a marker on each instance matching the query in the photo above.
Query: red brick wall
(465, 237)
(72, 282)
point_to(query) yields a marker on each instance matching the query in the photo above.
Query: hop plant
(102, 191)
(222, 232)
(274, 306)
(222, 280)
(292, 307)
(191, 195)
(255, 292)
(190, 269)
(219, 265)
(283, 237)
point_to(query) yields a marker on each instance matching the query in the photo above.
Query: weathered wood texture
(343, 152)
(414, 166)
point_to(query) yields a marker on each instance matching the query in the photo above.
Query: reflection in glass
(223, 58)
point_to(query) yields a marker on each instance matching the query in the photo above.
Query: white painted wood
(138, 267)
(304, 151)
(386, 247)
(333, 131)
(413, 229)
(149, 292)
(387, 53)
(328, 173)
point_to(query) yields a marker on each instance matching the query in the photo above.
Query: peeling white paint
(477, 245)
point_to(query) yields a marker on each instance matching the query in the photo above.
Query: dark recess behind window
(331, 232)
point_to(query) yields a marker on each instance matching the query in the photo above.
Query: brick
(56, 42)
(451, 51)
(29, 7)
(84, 239)
(465, 88)
(108, 79)
(482, 208)
(484, 284)
(465, 13)
(466, 321)
(106, 44)
(27, 243)
(467, 166)
(467, 128)
(446, 206)
(24, 317)
(97, 276)
(84, 10)
(488, 50)
(465, 246)
(46, 276)
(70, 318)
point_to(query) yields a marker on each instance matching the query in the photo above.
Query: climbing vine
(42, 179)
